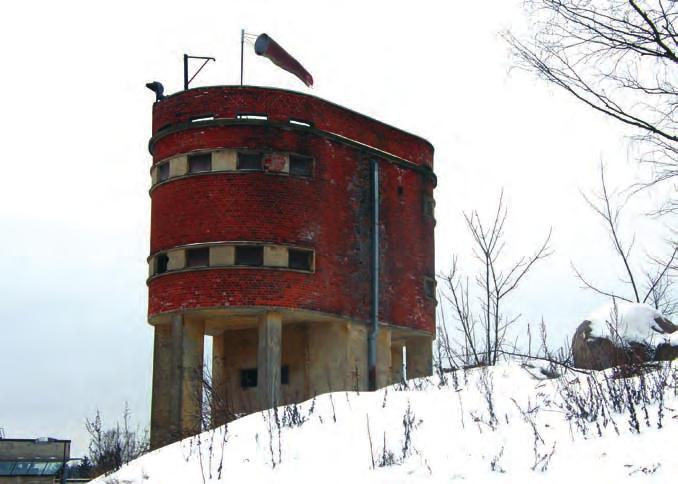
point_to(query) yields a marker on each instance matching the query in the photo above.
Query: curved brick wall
(329, 212)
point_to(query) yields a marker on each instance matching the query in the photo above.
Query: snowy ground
(502, 424)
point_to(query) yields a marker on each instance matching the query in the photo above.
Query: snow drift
(498, 424)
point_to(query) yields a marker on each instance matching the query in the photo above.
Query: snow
(503, 424)
(630, 322)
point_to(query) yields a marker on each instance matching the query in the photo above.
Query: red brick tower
(261, 237)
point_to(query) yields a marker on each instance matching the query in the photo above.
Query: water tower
(298, 235)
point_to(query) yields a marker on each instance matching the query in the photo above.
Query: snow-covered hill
(502, 424)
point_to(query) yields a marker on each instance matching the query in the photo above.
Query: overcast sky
(74, 205)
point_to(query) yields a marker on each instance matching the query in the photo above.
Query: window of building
(249, 255)
(257, 117)
(300, 122)
(285, 375)
(301, 165)
(198, 257)
(161, 261)
(300, 259)
(163, 171)
(249, 161)
(248, 378)
(429, 206)
(430, 288)
(200, 163)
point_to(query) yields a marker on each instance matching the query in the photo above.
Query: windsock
(269, 48)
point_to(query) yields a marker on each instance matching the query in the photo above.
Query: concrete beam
(269, 359)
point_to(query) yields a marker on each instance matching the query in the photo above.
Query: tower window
(300, 259)
(285, 375)
(200, 163)
(429, 206)
(249, 255)
(199, 257)
(161, 261)
(301, 165)
(249, 161)
(248, 378)
(429, 288)
(163, 171)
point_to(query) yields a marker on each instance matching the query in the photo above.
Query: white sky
(74, 208)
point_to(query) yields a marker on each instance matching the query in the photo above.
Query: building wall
(329, 212)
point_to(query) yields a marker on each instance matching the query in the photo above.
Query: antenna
(187, 81)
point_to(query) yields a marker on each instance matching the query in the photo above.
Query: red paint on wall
(329, 213)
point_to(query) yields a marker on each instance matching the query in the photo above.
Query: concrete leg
(192, 335)
(419, 357)
(383, 357)
(177, 381)
(218, 399)
(269, 359)
(162, 380)
(396, 363)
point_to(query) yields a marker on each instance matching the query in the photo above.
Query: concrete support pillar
(218, 399)
(396, 363)
(419, 356)
(269, 359)
(177, 380)
(162, 381)
(383, 357)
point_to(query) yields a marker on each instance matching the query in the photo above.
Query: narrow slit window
(429, 206)
(258, 117)
(430, 288)
(300, 259)
(163, 171)
(206, 117)
(249, 255)
(248, 378)
(199, 257)
(250, 161)
(301, 165)
(300, 122)
(200, 163)
(285, 375)
(161, 261)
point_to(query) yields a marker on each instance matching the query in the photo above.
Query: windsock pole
(242, 52)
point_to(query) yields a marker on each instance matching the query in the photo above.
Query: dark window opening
(285, 375)
(161, 261)
(248, 378)
(400, 189)
(301, 165)
(249, 161)
(200, 163)
(249, 255)
(300, 259)
(163, 171)
(199, 257)
(429, 206)
(430, 288)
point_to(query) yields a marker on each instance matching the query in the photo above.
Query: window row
(223, 255)
(233, 160)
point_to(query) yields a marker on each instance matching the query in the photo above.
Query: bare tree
(110, 448)
(653, 282)
(618, 57)
(484, 330)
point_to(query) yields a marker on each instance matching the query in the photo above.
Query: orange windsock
(269, 48)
